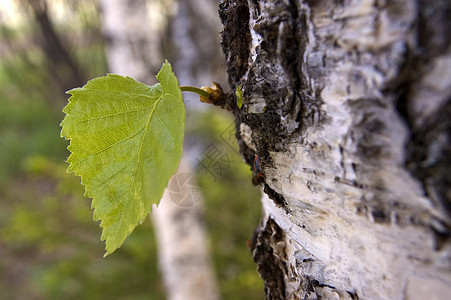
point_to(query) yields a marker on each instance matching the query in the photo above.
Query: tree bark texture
(347, 105)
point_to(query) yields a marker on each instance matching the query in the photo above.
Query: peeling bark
(347, 104)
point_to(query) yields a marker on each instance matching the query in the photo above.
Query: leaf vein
(141, 147)
(117, 93)
(109, 146)
(115, 114)
(109, 177)
(164, 125)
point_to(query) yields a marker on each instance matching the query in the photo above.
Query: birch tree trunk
(347, 105)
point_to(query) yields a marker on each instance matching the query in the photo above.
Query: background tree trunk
(347, 104)
(61, 65)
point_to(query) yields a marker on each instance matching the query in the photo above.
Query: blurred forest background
(49, 246)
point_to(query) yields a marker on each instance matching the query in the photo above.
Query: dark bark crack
(235, 37)
(269, 266)
(278, 199)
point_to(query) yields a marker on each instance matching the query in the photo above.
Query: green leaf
(239, 96)
(126, 142)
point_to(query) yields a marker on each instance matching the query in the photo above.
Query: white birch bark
(337, 96)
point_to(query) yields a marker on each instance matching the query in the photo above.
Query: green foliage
(126, 142)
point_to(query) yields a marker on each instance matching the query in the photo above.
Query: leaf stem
(200, 92)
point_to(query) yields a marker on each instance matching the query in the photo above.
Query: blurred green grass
(49, 245)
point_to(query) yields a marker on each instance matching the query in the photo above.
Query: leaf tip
(109, 248)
